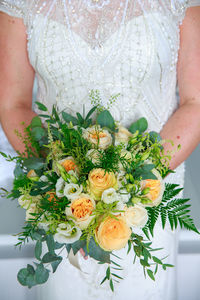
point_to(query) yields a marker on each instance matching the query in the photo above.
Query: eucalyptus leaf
(154, 136)
(50, 243)
(49, 257)
(90, 112)
(36, 122)
(41, 274)
(141, 125)
(38, 249)
(105, 119)
(18, 171)
(38, 133)
(56, 263)
(68, 118)
(78, 245)
(97, 253)
(41, 106)
(34, 163)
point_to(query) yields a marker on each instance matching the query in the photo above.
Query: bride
(138, 49)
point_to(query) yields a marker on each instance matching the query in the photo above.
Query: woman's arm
(184, 126)
(16, 79)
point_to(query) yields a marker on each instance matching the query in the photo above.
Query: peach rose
(98, 136)
(113, 234)
(156, 189)
(99, 181)
(81, 209)
(68, 164)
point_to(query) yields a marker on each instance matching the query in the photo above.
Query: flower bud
(145, 191)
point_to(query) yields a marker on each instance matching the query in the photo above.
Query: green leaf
(117, 276)
(144, 263)
(155, 137)
(157, 260)
(68, 247)
(30, 269)
(49, 257)
(56, 263)
(50, 243)
(18, 171)
(105, 278)
(90, 112)
(80, 118)
(141, 125)
(68, 118)
(151, 275)
(38, 133)
(105, 119)
(78, 245)
(36, 122)
(111, 285)
(22, 276)
(41, 274)
(97, 253)
(41, 106)
(38, 249)
(108, 273)
(34, 163)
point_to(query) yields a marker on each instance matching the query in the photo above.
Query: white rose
(72, 190)
(93, 155)
(60, 185)
(120, 207)
(136, 216)
(122, 136)
(98, 136)
(67, 234)
(109, 196)
(32, 209)
(81, 209)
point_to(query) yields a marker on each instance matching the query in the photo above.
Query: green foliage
(105, 119)
(140, 125)
(175, 210)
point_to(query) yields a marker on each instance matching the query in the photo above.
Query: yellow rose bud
(113, 234)
(99, 181)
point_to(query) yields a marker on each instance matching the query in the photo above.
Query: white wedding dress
(128, 47)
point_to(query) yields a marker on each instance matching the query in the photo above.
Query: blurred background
(12, 219)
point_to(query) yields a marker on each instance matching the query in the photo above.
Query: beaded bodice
(122, 47)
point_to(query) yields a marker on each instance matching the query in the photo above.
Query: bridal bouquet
(90, 183)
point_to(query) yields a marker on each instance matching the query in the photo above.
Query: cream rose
(98, 136)
(81, 209)
(93, 155)
(122, 136)
(31, 210)
(136, 216)
(25, 201)
(67, 233)
(99, 181)
(156, 189)
(113, 234)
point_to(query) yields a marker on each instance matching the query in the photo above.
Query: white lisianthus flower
(81, 209)
(60, 185)
(93, 155)
(136, 216)
(25, 201)
(67, 233)
(32, 209)
(109, 196)
(98, 136)
(122, 136)
(124, 195)
(72, 190)
(44, 178)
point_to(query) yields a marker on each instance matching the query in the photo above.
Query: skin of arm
(16, 79)
(184, 125)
